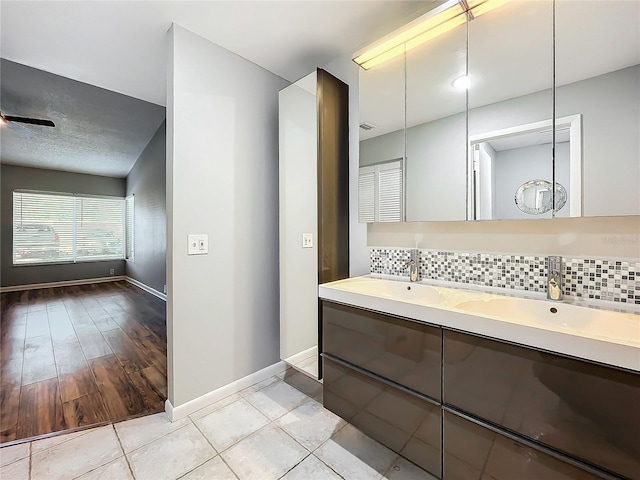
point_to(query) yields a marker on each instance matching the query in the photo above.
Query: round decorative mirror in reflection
(534, 197)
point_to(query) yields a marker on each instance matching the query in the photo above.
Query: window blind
(58, 227)
(380, 192)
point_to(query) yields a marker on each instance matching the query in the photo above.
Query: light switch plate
(198, 244)
(307, 240)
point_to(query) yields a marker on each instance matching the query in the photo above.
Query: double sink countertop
(596, 331)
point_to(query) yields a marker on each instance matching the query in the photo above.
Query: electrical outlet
(112, 271)
(164, 289)
(198, 244)
(307, 240)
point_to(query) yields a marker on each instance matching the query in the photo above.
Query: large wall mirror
(470, 125)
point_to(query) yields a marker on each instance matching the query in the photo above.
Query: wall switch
(198, 244)
(307, 240)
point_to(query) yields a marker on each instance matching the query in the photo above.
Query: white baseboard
(146, 288)
(302, 356)
(181, 411)
(66, 283)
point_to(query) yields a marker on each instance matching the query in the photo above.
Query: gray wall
(147, 182)
(222, 180)
(14, 177)
(610, 105)
(515, 166)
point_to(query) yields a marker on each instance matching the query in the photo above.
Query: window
(129, 215)
(62, 227)
(380, 197)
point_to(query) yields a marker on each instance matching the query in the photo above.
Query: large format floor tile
(277, 399)
(213, 469)
(77, 456)
(135, 433)
(14, 453)
(354, 455)
(171, 456)
(266, 455)
(311, 469)
(404, 470)
(116, 470)
(310, 424)
(16, 471)
(226, 426)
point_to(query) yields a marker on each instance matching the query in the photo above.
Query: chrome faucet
(554, 278)
(413, 266)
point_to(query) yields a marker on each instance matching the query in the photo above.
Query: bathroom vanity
(437, 376)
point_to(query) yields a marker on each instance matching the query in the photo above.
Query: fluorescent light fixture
(461, 83)
(434, 23)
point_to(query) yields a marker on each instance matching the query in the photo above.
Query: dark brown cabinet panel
(586, 410)
(399, 350)
(403, 422)
(472, 452)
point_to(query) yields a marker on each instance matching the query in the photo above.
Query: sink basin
(392, 289)
(558, 316)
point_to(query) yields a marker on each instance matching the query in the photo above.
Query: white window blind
(390, 192)
(129, 215)
(58, 227)
(366, 194)
(380, 192)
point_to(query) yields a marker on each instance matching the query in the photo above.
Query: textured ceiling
(97, 131)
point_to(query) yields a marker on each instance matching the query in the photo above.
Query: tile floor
(267, 431)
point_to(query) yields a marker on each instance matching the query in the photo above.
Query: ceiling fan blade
(30, 121)
(19, 129)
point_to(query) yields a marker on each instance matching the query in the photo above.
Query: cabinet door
(402, 351)
(402, 422)
(472, 452)
(587, 410)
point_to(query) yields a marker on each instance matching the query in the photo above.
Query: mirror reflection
(466, 151)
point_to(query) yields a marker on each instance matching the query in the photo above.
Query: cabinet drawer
(472, 452)
(402, 351)
(586, 410)
(402, 422)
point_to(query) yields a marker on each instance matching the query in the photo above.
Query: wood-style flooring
(81, 355)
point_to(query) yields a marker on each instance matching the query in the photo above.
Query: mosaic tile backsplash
(612, 280)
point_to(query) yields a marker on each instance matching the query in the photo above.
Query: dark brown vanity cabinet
(383, 374)
(406, 424)
(475, 452)
(589, 411)
(403, 351)
(472, 408)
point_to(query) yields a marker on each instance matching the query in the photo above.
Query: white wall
(347, 71)
(222, 180)
(298, 117)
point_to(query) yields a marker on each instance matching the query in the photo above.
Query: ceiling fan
(14, 122)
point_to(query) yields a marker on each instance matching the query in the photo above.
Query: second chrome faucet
(413, 265)
(554, 278)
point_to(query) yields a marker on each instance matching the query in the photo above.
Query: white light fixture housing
(434, 23)
(461, 83)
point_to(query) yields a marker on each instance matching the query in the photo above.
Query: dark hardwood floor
(81, 355)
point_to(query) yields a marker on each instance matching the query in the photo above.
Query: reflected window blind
(129, 215)
(366, 194)
(59, 227)
(390, 192)
(380, 193)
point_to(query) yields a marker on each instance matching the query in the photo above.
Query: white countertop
(572, 328)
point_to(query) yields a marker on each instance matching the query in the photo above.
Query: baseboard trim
(181, 411)
(66, 283)
(146, 288)
(304, 355)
